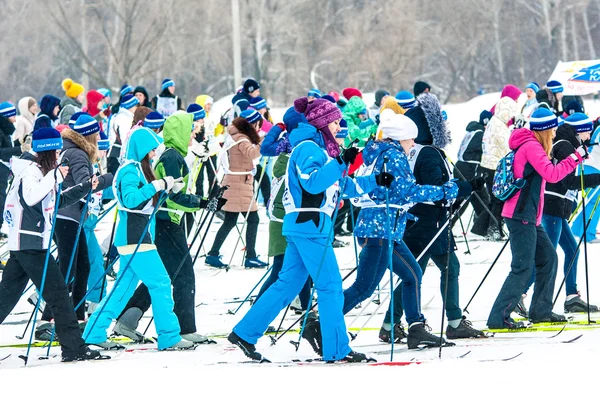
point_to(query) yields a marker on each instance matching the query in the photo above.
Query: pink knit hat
(318, 112)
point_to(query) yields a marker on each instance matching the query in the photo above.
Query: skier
(240, 152)
(380, 96)
(72, 101)
(430, 167)
(390, 154)
(406, 100)
(137, 191)
(120, 124)
(31, 204)
(167, 103)
(559, 201)
(315, 170)
(523, 216)
(170, 240)
(591, 166)
(313, 94)
(359, 125)
(28, 109)
(241, 101)
(81, 148)
(49, 110)
(531, 104)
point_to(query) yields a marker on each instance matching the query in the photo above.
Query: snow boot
(385, 336)
(312, 334)
(87, 355)
(181, 345)
(44, 332)
(464, 330)
(419, 336)
(576, 304)
(248, 349)
(355, 357)
(127, 324)
(521, 309)
(552, 318)
(215, 262)
(197, 338)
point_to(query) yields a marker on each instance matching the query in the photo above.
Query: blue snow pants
(96, 260)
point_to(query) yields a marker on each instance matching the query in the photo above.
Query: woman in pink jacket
(523, 215)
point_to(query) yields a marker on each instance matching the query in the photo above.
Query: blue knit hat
(154, 120)
(86, 125)
(406, 100)
(534, 86)
(7, 109)
(343, 133)
(167, 83)
(542, 119)
(105, 92)
(46, 139)
(73, 119)
(328, 98)
(125, 89)
(292, 119)
(258, 103)
(104, 142)
(314, 92)
(197, 111)
(129, 101)
(581, 122)
(555, 86)
(250, 85)
(251, 115)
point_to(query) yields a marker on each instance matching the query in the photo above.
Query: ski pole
(162, 198)
(390, 259)
(462, 227)
(21, 337)
(353, 236)
(445, 284)
(251, 291)
(45, 271)
(486, 275)
(585, 251)
(572, 262)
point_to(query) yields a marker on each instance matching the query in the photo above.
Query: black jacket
(166, 94)
(7, 150)
(557, 201)
(241, 102)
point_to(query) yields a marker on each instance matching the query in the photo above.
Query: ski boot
(215, 262)
(296, 306)
(464, 330)
(254, 262)
(197, 338)
(110, 346)
(87, 355)
(248, 349)
(44, 332)
(552, 318)
(127, 324)
(420, 336)
(355, 357)
(312, 334)
(576, 304)
(181, 345)
(385, 336)
(521, 309)
(511, 324)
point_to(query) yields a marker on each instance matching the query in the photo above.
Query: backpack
(506, 185)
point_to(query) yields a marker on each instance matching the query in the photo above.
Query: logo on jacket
(8, 218)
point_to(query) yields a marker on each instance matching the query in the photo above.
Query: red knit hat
(350, 92)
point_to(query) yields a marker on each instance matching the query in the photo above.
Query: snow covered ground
(546, 364)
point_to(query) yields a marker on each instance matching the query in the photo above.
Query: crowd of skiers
(381, 171)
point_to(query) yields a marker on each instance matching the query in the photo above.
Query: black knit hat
(420, 87)
(251, 85)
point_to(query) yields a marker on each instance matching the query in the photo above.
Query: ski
(6, 357)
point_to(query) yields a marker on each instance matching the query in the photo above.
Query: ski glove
(579, 154)
(348, 156)
(166, 183)
(450, 190)
(178, 185)
(384, 179)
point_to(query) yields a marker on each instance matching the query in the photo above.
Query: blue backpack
(506, 185)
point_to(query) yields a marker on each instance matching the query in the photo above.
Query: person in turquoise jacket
(138, 191)
(359, 125)
(314, 176)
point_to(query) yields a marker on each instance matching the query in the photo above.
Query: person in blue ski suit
(314, 175)
(372, 231)
(137, 192)
(591, 166)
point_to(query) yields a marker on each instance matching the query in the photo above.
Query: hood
(69, 101)
(505, 110)
(376, 148)
(23, 106)
(432, 110)
(304, 132)
(166, 94)
(18, 165)
(142, 89)
(93, 99)
(519, 137)
(141, 142)
(474, 126)
(511, 91)
(353, 108)
(177, 131)
(201, 100)
(292, 118)
(6, 127)
(72, 139)
(49, 102)
(568, 133)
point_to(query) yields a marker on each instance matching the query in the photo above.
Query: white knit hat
(396, 126)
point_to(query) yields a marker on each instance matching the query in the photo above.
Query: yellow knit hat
(72, 89)
(389, 103)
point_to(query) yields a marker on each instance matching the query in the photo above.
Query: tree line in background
(458, 46)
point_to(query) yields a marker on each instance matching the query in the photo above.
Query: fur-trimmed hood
(71, 139)
(428, 118)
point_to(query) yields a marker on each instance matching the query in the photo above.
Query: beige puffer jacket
(241, 186)
(495, 138)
